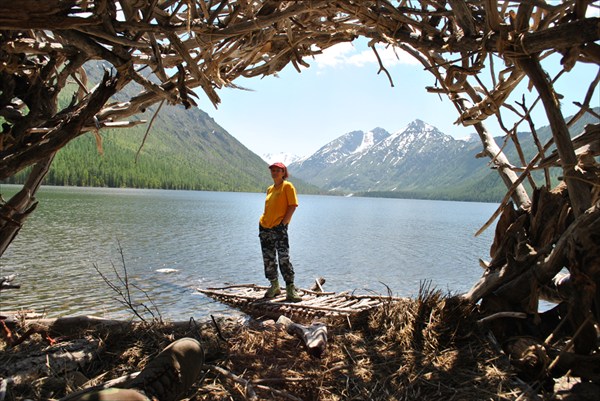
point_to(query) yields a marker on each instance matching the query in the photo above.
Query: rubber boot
(274, 290)
(291, 295)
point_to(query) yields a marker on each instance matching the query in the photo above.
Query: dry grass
(426, 349)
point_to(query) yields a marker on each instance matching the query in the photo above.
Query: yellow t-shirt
(277, 203)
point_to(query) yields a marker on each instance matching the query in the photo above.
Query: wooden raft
(314, 305)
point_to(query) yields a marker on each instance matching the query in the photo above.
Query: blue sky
(341, 91)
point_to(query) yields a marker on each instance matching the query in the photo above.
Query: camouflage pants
(275, 246)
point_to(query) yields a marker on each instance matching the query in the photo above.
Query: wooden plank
(317, 300)
(249, 299)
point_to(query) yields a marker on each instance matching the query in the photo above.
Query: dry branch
(314, 337)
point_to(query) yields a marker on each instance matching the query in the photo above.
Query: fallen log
(62, 357)
(534, 360)
(68, 326)
(74, 325)
(314, 336)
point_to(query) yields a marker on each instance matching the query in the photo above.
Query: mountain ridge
(417, 161)
(188, 149)
(184, 149)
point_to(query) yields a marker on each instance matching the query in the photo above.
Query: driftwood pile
(340, 306)
(424, 348)
(545, 253)
(477, 51)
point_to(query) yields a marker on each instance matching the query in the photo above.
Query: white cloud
(347, 54)
(335, 55)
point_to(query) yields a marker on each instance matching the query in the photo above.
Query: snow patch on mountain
(285, 158)
(368, 140)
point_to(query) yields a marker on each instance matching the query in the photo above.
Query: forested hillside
(184, 149)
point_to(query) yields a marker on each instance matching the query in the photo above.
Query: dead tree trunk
(14, 212)
(579, 191)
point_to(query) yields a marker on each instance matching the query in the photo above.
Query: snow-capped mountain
(418, 161)
(353, 143)
(285, 158)
(419, 157)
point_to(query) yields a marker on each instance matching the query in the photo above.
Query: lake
(172, 242)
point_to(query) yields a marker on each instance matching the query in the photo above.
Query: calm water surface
(172, 242)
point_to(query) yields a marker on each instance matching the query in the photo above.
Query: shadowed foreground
(431, 348)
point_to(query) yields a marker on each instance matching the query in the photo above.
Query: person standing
(280, 205)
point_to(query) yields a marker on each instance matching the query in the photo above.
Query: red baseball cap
(281, 166)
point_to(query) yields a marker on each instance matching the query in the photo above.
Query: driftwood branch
(14, 212)
(249, 389)
(75, 325)
(250, 385)
(500, 315)
(108, 384)
(579, 192)
(314, 337)
(219, 45)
